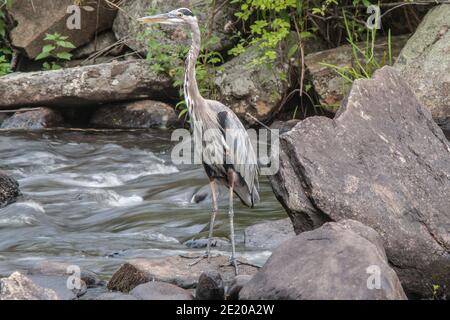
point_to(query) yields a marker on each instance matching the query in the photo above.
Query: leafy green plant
(5, 50)
(365, 61)
(4, 65)
(270, 23)
(55, 50)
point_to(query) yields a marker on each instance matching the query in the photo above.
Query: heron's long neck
(191, 92)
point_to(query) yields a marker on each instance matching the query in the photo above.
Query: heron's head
(181, 16)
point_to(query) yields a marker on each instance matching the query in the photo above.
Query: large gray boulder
(109, 82)
(137, 35)
(35, 20)
(9, 190)
(342, 261)
(382, 161)
(425, 62)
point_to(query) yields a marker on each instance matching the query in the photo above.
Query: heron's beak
(163, 18)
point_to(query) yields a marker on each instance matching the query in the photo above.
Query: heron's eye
(179, 14)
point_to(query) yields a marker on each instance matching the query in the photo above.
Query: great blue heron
(237, 168)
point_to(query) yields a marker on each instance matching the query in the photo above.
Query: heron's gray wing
(239, 149)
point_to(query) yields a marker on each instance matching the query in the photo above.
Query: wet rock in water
(174, 270)
(210, 286)
(139, 114)
(32, 287)
(155, 290)
(236, 286)
(330, 86)
(65, 269)
(203, 243)
(425, 62)
(115, 296)
(336, 261)
(9, 190)
(85, 86)
(104, 44)
(136, 35)
(269, 235)
(35, 21)
(38, 119)
(382, 161)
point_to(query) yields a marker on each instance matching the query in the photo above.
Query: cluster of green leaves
(365, 60)
(270, 23)
(56, 50)
(5, 51)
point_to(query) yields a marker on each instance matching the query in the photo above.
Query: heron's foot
(233, 262)
(199, 258)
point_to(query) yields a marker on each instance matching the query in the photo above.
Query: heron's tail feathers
(247, 198)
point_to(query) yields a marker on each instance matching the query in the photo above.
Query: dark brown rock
(337, 261)
(210, 286)
(382, 161)
(34, 21)
(41, 118)
(9, 190)
(138, 114)
(127, 278)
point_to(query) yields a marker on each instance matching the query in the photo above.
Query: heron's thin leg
(213, 216)
(231, 214)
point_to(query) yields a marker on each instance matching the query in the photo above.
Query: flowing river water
(97, 199)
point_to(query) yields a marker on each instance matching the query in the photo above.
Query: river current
(97, 199)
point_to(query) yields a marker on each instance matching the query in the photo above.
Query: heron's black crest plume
(186, 12)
